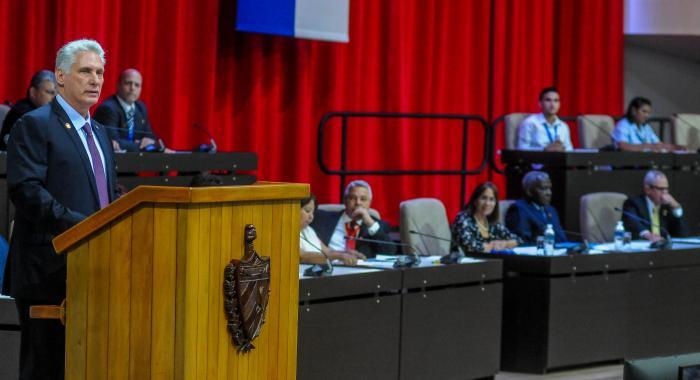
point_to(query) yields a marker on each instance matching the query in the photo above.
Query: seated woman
(476, 227)
(633, 134)
(311, 248)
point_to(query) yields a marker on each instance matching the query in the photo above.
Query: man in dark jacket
(657, 207)
(42, 89)
(338, 228)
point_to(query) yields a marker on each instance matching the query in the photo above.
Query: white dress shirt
(337, 242)
(535, 133)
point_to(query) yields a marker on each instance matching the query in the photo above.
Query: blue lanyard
(636, 131)
(546, 128)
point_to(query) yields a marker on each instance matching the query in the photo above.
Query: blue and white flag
(313, 19)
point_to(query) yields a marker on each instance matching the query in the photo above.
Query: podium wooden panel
(145, 284)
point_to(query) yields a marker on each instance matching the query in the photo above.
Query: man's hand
(146, 141)
(357, 254)
(168, 150)
(363, 213)
(556, 146)
(115, 146)
(652, 237)
(668, 199)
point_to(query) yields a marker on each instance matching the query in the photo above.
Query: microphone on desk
(402, 261)
(582, 248)
(150, 148)
(318, 270)
(205, 148)
(609, 147)
(664, 243)
(452, 257)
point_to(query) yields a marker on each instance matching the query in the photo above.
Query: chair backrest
(511, 123)
(4, 109)
(503, 206)
(340, 207)
(428, 216)
(598, 217)
(595, 131)
(686, 130)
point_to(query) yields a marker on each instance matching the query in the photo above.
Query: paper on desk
(635, 246)
(532, 251)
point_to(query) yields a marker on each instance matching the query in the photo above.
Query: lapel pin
(67, 125)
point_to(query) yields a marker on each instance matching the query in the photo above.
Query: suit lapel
(72, 133)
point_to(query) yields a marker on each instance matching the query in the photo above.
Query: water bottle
(549, 240)
(619, 236)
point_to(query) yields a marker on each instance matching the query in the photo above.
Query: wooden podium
(145, 284)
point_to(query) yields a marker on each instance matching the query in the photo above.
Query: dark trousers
(42, 349)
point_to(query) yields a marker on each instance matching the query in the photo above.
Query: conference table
(432, 321)
(580, 172)
(569, 310)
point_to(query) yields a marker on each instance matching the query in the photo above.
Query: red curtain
(267, 93)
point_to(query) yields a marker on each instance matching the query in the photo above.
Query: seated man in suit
(529, 217)
(545, 131)
(42, 90)
(355, 221)
(656, 206)
(126, 117)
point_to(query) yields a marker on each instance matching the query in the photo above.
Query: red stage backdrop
(267, 93)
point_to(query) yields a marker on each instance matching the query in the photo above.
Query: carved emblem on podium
(246, 292)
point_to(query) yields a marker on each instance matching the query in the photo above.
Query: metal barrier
(343, 172)
(658, 123)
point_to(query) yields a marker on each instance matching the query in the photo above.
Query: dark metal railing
(343, 172)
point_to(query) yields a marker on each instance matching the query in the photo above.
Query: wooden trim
(167, 194)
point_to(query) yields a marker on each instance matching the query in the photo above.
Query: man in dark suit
(42, 89)
(60, 169)
(656, 206)
(332, 227)
(126, 117)
(529, 217)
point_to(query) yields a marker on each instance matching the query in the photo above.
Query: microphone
(581, 248)
(211, 148)
(318, 270)
(402, 261)
(451, 258)
(664, 243)
(609, 147)
(148, 148)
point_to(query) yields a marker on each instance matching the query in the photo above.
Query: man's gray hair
(651, 177)
(65, 58)
(356, 183)
(532, 179)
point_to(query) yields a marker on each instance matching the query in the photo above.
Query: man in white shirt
(337, 229)
(657, 207)
(545, 131)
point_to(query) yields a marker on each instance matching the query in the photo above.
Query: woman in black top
(476, 227)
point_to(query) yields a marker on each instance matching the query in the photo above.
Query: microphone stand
(451, 258)
(318, 270)
(402, 261)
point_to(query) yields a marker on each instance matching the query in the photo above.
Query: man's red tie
(352, 229)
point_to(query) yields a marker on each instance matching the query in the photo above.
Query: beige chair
(4, 109)
(340, 207)
(598, 217)
(511, 123)
(686, 130)
(595, 131)
(503, 206)
(428, 216)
